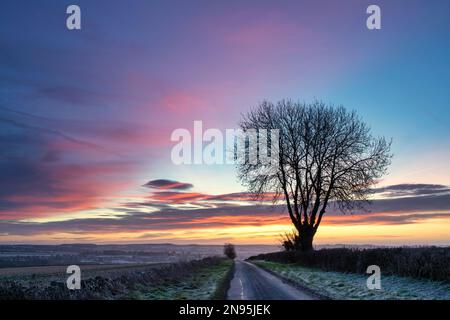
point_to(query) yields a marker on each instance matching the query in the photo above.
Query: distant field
(12, 256)
(55, 270)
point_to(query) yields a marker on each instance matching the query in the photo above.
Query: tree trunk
(306, 243)
(306, 236)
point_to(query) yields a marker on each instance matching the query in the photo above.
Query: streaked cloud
(184, 211)
(165, 184)
(401, 190)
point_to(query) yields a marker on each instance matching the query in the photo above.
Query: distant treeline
(431, 263)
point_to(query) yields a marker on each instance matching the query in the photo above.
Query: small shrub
(290, 241)
(229, 251)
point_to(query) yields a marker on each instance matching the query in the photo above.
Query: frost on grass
(201, 285)
(339, 285)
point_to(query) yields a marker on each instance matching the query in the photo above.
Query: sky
(86, 115)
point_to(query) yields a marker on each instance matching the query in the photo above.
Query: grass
(224, 284)
(210, 282)
(352, 286)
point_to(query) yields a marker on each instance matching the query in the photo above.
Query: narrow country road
(253, 283)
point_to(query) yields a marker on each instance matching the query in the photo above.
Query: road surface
(253, 283)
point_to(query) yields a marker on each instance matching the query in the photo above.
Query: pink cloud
(180, 102)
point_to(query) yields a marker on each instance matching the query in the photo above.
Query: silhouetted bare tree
(325, 154)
